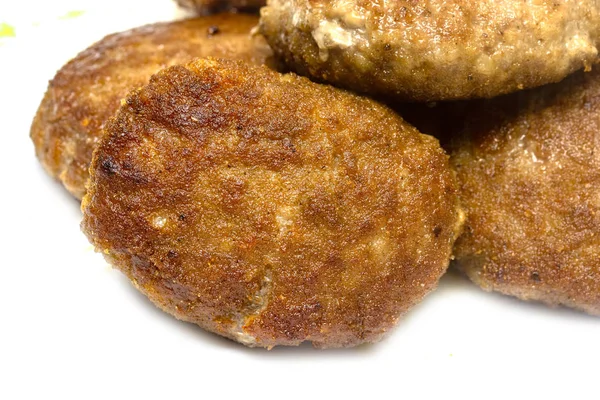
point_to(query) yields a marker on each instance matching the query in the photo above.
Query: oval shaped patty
(270, 209)
(436, 49)
(529, 169)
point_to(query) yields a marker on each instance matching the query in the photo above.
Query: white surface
(73, 328)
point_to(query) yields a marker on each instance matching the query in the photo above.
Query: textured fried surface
(435, 49)
(88, 90)
(529, 166)
(270, 209)
(209, 6)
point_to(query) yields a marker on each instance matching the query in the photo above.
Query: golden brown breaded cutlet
(88, 90)
(204, 7)
(529, 169)
(436, 49)
(270, 209)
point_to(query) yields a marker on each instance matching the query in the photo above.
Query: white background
(73, 328)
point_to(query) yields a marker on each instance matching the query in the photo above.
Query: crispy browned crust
(436, 49)
(88, 90)
(204, 7)
(529, 170)
(270, 209)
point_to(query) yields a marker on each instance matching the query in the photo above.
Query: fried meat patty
(529, 169)
(436, 49)
(209, 6)
(88, 90)
(270, 209)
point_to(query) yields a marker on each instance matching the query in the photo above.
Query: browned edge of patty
(208, 7)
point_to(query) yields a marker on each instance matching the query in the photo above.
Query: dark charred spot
(287, 143)
(182, 217)
(535, 276)
(387, 47)
(437, 231)
(142, 267)
(500, 275)
(172, 254)
(109, 166)
(213, 30)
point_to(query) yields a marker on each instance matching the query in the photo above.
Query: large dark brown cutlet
(270, 209)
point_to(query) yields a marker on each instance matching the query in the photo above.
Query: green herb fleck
(73, 14)
(7, 30)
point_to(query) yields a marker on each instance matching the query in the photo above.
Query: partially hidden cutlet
(529, 169)
(436, 49)
(88, 90)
